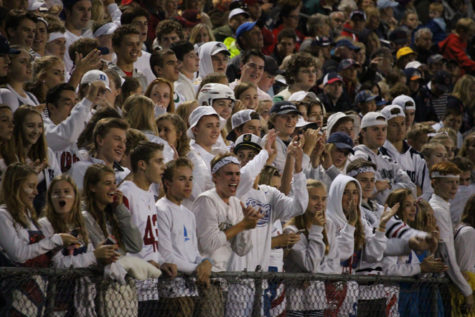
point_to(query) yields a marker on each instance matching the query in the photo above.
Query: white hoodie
(206, 65)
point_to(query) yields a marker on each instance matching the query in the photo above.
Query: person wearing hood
(344, 208)
(445, 178)
(397, 148)
(389, 175)
(214, 57)
(319, 250)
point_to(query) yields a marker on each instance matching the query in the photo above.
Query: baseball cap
(270, 66)
(342, 141)
(393, 111)
(95, 75)
(442, 79)
(436, 58)
(405, 102)
(284, 107)
(248, 140)
(403, 51)
(197, 114)
(364, 96)
(386, 4)
(191, 17)
(235, 12)
(331, 78)
(219, 47)
(334, 118)
(454, 103)
(301, 95)
(412, 74)
(413, 64)
(243, 28)
(357, 13)
(373, 118)
(241, 117)
(322, 41)
(346, 43)
(302, 123)
(347, 63)
(5, 47)
(106, 29)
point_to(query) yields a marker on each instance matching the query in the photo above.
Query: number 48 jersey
(142, 207)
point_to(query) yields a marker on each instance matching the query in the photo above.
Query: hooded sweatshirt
(206, 66)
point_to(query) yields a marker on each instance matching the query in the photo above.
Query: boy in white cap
(397, 148)
(204, 131)
(389, 175)
(244, 121)
(409, 106)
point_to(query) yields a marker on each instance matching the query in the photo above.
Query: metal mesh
(49, 292)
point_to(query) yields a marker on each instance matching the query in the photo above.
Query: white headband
(42, 20)
(55, 35)
(225, 161)
(106, 29)
(438, 175)
(364, 169)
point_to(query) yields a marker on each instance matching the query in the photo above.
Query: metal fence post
(257, 306)
(51, 295)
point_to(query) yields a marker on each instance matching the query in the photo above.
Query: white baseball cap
(413, 64)
(235, 12)
(373, 118)
(393, 111)
(248, 140)
(241, 117)
(95, 75)
(301, 95)
(197, 114)
(333, 119)
(405, 102)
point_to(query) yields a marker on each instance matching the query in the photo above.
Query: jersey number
(149, 237)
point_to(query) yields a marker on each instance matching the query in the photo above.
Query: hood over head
(335, 194)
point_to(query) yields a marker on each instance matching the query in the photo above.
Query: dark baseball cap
(271, 67)
(358, 14)
(436, 58)
(5, 47)
(412, 74)
(398, 36)
(347, 63)
(347, 43)
(442, 79)
(364, 96)
(342, 141)
(322, 41)
(284, 107)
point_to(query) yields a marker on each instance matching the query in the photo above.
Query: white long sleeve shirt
(178, 244)
(273, 205)
(213, 217)
(442, 215)
(464, 250)
(62, 138)
(15, 239)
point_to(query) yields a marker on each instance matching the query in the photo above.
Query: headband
(225, 161)
(438, 175)
(364, 169)
(42, 20)
(55, 35)
(106, 29)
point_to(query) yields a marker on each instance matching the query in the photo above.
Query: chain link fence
(84, 292)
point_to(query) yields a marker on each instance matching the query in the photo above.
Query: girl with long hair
(48, 71)
(19, 73)
(7, 154)
(31, 148)
(139, 112)
(161, 92)
(172, 128)
(22, 243)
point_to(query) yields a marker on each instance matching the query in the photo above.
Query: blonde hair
(159, 80)
(15, 175)
(195, 36)
(466, 143)
(462, 90)
(139, 112)
(185, 109)
(76, 220)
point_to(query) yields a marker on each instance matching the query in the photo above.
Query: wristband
(208, 259)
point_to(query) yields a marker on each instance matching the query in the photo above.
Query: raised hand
(311, 138)
(386, 215)
(251, 216)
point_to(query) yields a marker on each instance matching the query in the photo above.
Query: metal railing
(243, 293)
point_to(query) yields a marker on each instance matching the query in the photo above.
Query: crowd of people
(179, 138)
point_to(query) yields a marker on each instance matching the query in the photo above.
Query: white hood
(335, 194)
(206, 66)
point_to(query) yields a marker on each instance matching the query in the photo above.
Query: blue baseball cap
(5, 47)
(245, 27)
(364, 96)
(347, 43)
(342, 141)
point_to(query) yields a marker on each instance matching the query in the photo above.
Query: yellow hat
(403, 51)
